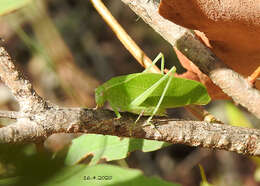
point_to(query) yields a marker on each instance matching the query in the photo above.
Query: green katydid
(150, 93)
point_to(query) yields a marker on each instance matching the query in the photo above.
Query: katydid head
(100, 96)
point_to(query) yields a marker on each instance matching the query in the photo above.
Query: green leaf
(107, 147)
(7, 6)
(236, 117)
(103, 175)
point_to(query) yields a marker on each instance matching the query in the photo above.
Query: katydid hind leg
(158, 57)
(162, 64)
(160, 100)
(142, 97)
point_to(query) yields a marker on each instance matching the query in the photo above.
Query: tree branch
(229, 81)
(77, 120)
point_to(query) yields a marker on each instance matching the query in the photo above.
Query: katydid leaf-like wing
(181, 92)
(122, 90)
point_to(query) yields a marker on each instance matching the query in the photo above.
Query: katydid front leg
(158, 57)
(114, 108)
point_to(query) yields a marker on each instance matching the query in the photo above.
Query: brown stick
(121, 34)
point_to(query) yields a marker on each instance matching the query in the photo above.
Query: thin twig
(122, 35)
